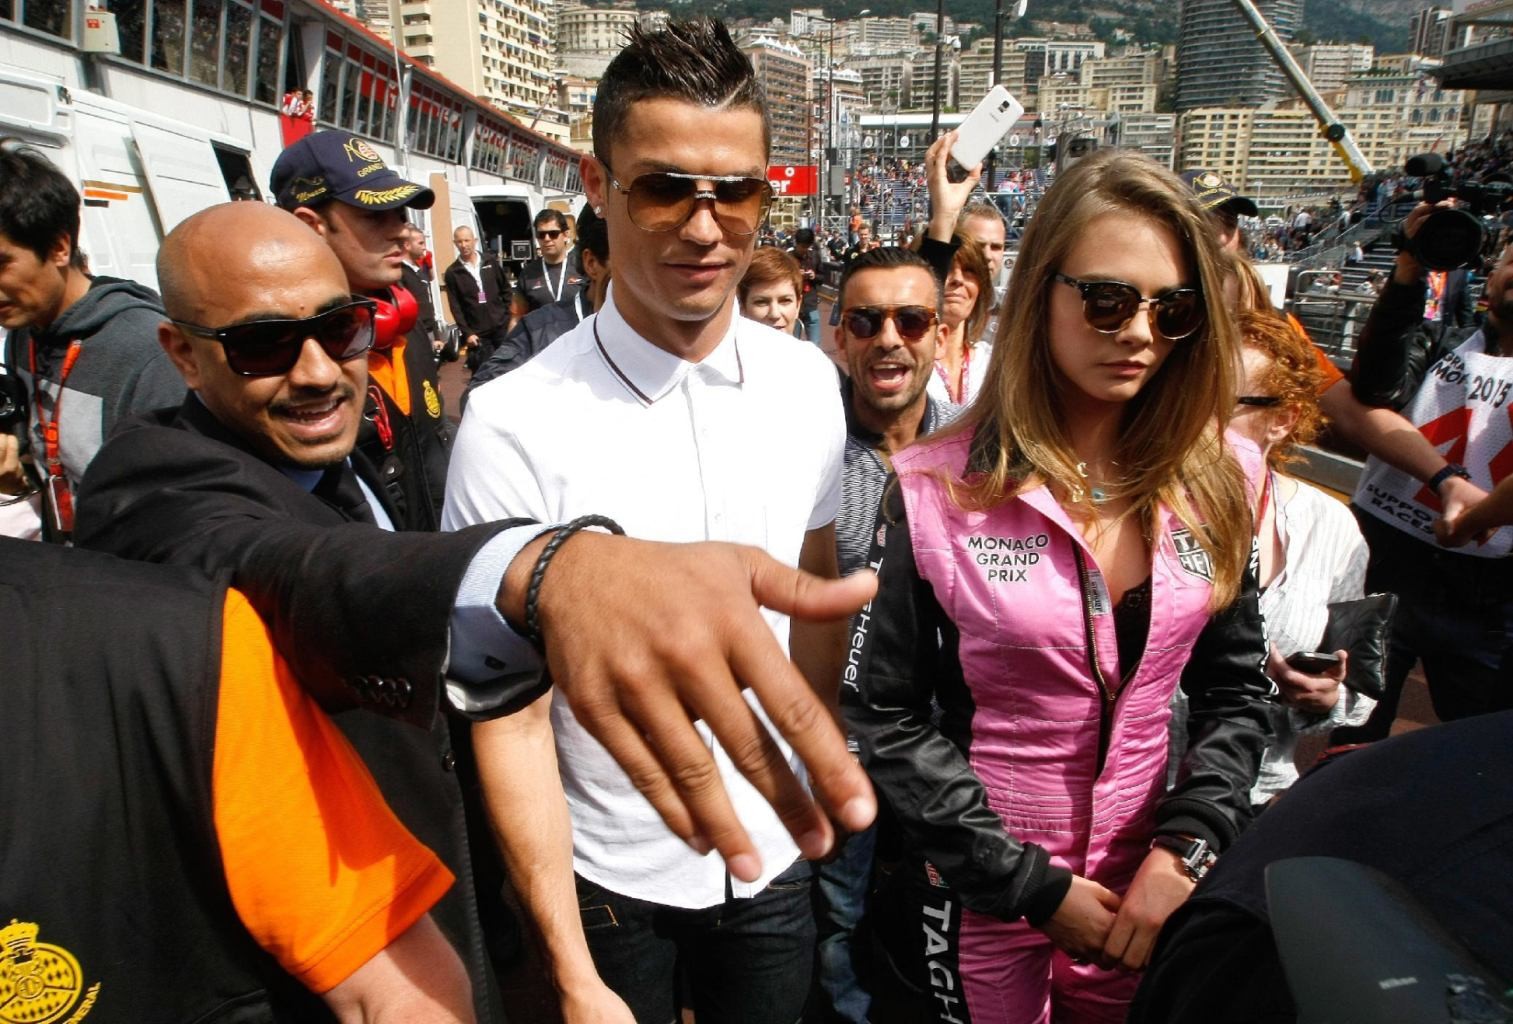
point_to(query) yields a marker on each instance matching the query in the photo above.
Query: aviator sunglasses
(267, 348)
(1108, 306)
(664, 200)
(911, 322)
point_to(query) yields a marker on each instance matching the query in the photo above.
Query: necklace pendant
(1099, 495)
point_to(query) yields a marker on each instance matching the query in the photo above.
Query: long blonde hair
(1171, 446)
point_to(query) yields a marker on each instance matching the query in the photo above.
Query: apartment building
(501, 50)
(784, 72)
(1220, 63)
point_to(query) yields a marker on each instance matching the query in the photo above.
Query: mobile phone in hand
(988, 122)
(1313, 662)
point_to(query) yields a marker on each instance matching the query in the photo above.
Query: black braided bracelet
(538, 573)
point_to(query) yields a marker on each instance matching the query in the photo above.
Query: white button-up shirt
(745, 446)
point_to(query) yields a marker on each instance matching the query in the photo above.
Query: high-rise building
(1329, 65)
(783, 71)
(1220, 63)
(977, 70)
(501, 50)
(1393, 111)
(1428, 29)
(594, 30)
(886, 81)
(880, 35)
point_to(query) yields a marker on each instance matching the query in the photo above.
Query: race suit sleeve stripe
(897, 665)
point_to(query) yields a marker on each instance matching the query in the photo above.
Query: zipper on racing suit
(1109, 695)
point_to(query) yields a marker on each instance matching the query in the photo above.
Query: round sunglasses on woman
(1052, 565)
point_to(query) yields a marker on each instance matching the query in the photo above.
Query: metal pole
(830, 108)
(992, 169)
(1338, 135)
(940, 41)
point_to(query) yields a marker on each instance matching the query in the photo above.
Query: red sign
(793, 180)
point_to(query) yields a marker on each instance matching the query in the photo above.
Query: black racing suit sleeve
(1228, 723)
(939, 255)
(897, 662)
(1394, 349)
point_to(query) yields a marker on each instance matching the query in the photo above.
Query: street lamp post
(940, 42)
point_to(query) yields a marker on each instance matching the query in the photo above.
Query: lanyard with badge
(61, 498)
(546, 272)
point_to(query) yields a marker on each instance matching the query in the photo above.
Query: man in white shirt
(683, 421)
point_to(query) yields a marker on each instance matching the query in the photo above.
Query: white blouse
(1325, 562)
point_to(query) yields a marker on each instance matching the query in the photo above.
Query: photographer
(1456, 608)
(19, 505)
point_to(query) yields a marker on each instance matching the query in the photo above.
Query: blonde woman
(1052, 567)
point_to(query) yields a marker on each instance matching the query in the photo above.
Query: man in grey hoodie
(84, 348)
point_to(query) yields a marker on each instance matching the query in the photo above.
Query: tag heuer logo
(1190, 554)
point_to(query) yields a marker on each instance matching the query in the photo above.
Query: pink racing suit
(1013, 747)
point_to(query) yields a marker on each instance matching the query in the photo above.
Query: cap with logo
(1213, 192)
(337, 165)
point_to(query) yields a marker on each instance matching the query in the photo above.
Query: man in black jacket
(266, 441)
(479, 291)
(417, 283)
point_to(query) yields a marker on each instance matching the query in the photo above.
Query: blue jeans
(809, 321)
(840, 898)
(744, 961)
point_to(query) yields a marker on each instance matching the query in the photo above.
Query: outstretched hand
(644, 639)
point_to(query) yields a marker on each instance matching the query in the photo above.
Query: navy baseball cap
(1213, 192)
(341, 166)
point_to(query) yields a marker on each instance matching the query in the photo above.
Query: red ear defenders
(396, 313)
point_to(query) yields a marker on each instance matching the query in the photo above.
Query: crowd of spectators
(1103, 611)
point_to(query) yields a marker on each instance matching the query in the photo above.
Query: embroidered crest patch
(39, 983)
(1190, 554)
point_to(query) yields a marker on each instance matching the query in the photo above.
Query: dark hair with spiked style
(693, 60)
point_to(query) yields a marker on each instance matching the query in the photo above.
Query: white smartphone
(988, 122)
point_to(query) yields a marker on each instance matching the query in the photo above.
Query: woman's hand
(1315, 694)
(1160, 887)
(1080, 926)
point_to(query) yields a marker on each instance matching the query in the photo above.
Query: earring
(598, 211)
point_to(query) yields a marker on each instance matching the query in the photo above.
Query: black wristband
(1451, 469)
(538, 573)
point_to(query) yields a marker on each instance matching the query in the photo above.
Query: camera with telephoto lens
(12, 402)
(1449, 239)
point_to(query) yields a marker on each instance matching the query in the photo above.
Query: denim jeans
(744, 961)
(840, 898)
(809, 320)
(1454, 614)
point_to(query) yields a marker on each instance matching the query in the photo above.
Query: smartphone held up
(988, 122)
